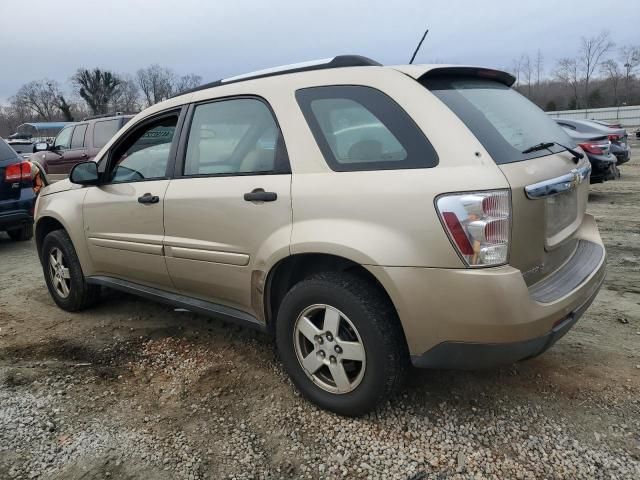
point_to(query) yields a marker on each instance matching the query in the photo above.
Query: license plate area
(561, 212)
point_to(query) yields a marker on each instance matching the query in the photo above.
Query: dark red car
(77, 142)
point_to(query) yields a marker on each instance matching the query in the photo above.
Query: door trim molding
(137, 247)
(215, 256)
(221, 312)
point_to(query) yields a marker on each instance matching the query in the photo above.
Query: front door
(229, 206)
(124, 215)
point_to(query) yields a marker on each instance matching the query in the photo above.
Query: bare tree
(65, 108)
(127, 98)
(187, 82)
(40, 97)
(568, 73)
(539, 63)
(612, 70)
(527, 71)
(630, 58)
(97, 87)
(516, 68)
(156, 83)
(592, 51)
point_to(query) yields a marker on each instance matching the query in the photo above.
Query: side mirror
(85, 173)
(40, 147)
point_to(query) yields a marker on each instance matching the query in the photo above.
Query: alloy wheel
(329, 349)
(59, 273)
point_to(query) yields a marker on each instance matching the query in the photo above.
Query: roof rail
(322, 64)
(102, 115)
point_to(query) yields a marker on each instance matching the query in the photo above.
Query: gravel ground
(136, 390)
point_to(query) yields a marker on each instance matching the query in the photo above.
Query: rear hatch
(549, 187)
(9, 189)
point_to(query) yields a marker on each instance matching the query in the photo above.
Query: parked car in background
(607, 124)
(598, 150)
(28, 134)
(77, 142)
(17, 196)
(618, 136)
(329, 206)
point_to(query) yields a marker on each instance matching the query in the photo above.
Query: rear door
(124, 215)
(549, 188)
(229, 206)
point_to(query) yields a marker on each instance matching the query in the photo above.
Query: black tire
(81, 295)
(376, 321)
(22, 233)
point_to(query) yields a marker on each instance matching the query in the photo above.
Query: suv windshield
(503, 120)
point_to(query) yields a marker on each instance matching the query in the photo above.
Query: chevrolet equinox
(368, 217)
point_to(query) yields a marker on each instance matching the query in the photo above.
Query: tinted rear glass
(360, 128)
(6, 152)
(505, 122)
(103, 131)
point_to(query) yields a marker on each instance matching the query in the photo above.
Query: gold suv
(368, 217)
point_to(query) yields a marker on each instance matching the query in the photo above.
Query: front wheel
(63, 273)
(340, 341)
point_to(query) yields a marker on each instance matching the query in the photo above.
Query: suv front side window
(234, 137)
(63, 140)
(361, 128)
(144, 154)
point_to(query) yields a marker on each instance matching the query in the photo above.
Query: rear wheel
(341, 343)
(63, 273)
(22, 233)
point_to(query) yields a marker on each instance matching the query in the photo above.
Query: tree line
(93, 92)
(601, 74)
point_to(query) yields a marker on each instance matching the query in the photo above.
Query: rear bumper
(14, 213)
(474, 318)
(473, 356)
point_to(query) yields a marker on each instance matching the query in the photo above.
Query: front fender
(66, 209)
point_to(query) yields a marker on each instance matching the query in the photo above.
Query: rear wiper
(546, 145)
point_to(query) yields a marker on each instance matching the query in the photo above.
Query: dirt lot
(133, 389)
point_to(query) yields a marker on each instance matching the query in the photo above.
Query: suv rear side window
(103, 131)
(360, 128)
(77, 140)
(505, 122)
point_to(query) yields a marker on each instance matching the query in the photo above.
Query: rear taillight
(18, 172)
(479, 225)
(593, 148)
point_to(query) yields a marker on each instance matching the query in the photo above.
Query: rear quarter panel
(378, 217)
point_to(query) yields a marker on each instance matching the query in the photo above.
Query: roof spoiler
(489, 73)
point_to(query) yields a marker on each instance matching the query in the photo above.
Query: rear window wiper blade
(546, 145)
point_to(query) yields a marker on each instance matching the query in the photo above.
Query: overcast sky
(217, 38)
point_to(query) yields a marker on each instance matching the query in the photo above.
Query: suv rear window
(360, 128)
(6, 152)
(505, 122)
